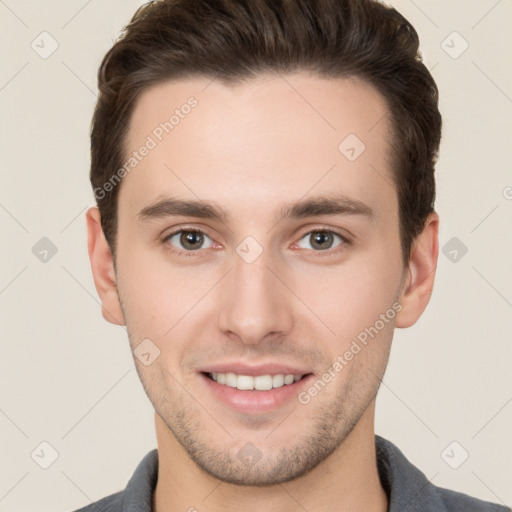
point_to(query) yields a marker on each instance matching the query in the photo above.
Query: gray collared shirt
(407, 488)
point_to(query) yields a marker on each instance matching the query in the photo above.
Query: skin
(252, 148)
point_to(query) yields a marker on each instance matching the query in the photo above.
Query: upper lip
(254, 370)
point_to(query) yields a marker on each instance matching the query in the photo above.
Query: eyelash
(328, 252)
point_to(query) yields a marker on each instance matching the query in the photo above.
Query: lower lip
(255, 401)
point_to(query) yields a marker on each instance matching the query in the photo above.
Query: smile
(259, 382)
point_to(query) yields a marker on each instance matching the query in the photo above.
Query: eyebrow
(315, 206)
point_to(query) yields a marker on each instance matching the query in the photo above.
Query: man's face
(258, 293)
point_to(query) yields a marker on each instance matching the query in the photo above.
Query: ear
(419, 281)
(102, 267)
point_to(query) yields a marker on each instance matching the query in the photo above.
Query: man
(264, 171)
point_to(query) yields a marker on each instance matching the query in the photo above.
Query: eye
(189, 239)
(322, 240)
(186, 242)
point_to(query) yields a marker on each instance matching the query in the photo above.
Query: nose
(255, 304)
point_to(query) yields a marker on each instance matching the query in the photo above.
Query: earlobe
(102, 267)
(419, 282)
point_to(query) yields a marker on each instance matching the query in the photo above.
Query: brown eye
(188, 240)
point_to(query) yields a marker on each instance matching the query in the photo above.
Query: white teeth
(230, 380)
(260, 382)
(263, 382)
(288, 379)
(278, 381)
(245, 382)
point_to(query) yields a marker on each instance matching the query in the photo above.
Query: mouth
(254, 383)
(252, 390)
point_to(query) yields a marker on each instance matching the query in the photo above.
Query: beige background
(68, 378)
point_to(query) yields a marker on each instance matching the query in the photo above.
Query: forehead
(271, 138)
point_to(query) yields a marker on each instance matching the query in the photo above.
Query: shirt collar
(138, 495)
(406, 486)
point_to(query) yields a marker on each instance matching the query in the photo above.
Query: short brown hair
(234, 40)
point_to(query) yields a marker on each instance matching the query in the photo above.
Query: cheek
(349, 299)
(154, 296)
(169, 304)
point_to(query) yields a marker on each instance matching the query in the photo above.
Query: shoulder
(112, 503)
(137, 495)
(409, 489)
(459, 502)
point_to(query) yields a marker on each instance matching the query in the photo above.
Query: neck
(347, 480)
